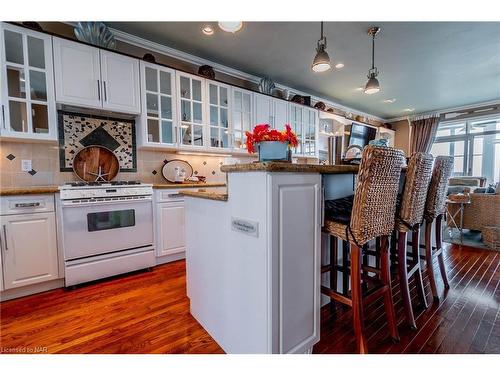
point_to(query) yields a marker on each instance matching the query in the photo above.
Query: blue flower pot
(274, 151)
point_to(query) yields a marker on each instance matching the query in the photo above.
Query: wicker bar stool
(434, 210)
(408, 218)
(371, 216)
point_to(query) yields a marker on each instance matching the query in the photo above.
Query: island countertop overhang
(290, 167)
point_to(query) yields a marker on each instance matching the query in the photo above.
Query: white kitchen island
(253, 257)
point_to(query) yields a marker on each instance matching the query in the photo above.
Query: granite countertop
(290, 167)
(26, 190)
(217, 195)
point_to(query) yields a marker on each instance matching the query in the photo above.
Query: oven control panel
(105, 191)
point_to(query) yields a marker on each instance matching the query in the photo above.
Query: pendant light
(372, 86)
(321, 62)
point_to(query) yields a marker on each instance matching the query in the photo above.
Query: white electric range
(106, 229)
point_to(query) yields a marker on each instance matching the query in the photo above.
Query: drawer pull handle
(27, 205)
(5, 237)
(175, 195)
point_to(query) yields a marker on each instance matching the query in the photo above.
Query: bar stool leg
(439, 250)
(345, 267)
(333, 270)
(415, 250)
(429, 259)
(386, 279)
(403, 280)
(357, 301)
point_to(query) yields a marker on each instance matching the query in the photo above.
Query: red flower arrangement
(263, 132)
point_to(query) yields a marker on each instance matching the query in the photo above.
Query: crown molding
(447, 110)
(196, 60)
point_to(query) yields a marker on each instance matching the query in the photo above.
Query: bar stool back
(434, 210)
(408, 218)
(372, 216)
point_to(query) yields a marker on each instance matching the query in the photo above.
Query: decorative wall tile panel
(77, 131)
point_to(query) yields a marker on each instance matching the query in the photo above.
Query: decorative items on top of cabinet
(158, 118)
(219, 121)
(190, 103)
(86, 76)
(27, 92)
(96, 33)
(28, 259)
(241, 115)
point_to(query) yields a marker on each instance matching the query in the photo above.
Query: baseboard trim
(31, 289)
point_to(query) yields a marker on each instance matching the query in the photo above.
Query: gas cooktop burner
(102, 183)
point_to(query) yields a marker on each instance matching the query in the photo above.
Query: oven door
(103, 227)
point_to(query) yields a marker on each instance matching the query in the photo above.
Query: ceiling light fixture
(231, 27)
(390, 101)
(372, 86)
(321, 62)
(339, 66)
(207, 30)
(409, 109)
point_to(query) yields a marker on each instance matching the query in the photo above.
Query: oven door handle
(69, 204)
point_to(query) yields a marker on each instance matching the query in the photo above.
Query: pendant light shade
(321, 61)
(372, 86)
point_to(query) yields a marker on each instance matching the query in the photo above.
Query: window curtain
(423, 133)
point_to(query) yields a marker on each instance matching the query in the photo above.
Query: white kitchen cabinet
(159, 115)
(218, 114)
(86, 76)
(269, 110)
(29, 249)
(27, 84)
(120, 81)
(242, 115)
(304, 122)
(190, 107)
(171, 227)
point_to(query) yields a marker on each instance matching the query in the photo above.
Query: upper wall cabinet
(218, 95)
(304, 122)
(242, 115)
(158, 117)
(27, 84)
(190, 107)
(88, 77)
(269, 110)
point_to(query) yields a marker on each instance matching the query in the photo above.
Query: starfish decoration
(99, 175)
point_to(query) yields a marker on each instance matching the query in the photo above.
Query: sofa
(465, 184)
(483, 211)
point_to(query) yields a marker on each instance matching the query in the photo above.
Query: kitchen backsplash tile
(45, 161)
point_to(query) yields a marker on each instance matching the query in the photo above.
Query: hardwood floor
(148, 312)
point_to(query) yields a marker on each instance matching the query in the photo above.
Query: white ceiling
(426, 66)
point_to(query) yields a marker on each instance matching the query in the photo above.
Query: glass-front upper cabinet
(158, 117)
(27, 84)
(190, 100)
(218, 114)
(242, 116)
(310, 132)
(297, 124)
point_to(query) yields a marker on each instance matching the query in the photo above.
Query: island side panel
(295, 265)
(227, 270)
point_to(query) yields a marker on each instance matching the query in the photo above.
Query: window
(475, 144)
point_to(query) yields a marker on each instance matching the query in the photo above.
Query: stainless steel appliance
(106, 229)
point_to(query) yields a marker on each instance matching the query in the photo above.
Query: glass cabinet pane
(223, 118)
(238, 106)
(38, 85)
(39, 118)
(197, 115)
(167, 132)
(224, 138)
(186, 134)
(214, 137)
(151, 79)
(16, 82)
(198, 135)
(165, 83)
(214, 99)
(185, 110)
(237, 121)
(166, 107)
(214, 115)
(13, 47)
(153, 131)
(152, 105)
(36, 53)
(247, 102)
(196, 90)
(223, 97)
(185, 87)
(246, 122)
(18, 116)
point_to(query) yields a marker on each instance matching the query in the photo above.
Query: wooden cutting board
(96, 163)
